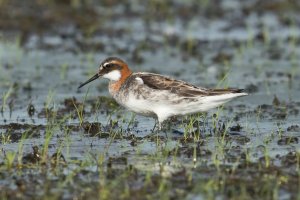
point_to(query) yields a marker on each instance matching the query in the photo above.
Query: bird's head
(112, 68)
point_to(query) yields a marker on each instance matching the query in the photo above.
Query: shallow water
(250, 149)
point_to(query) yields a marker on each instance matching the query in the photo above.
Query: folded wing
(181, 88)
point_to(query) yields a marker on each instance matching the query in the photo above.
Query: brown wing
(159, 82)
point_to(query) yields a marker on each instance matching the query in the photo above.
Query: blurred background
(199, 41)
(49, 47)
(58, 44)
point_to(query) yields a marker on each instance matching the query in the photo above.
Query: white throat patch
(114, 75)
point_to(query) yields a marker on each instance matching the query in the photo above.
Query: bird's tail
(215, 92)
(218, 97)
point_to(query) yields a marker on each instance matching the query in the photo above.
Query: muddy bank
(56, 140)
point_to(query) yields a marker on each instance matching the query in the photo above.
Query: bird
(158, 96)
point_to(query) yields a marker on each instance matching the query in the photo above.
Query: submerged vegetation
(60, 143)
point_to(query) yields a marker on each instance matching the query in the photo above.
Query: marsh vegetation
(60, 143)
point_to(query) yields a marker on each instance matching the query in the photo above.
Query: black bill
(88, 81)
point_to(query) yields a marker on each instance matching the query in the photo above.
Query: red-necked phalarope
(156, 95)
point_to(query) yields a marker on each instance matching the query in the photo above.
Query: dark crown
(112, 63)
(113, 60)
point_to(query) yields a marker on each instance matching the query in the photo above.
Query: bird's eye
(106, 66)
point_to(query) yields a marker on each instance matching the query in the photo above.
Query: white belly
(163, 108)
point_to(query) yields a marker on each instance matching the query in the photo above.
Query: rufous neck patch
(116, 85)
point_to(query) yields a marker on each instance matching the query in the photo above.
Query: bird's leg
(156, 128)
(160, 128)
(155, 123)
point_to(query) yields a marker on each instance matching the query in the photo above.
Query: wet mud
(58, 141)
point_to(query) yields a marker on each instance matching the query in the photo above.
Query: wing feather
(181, 88)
